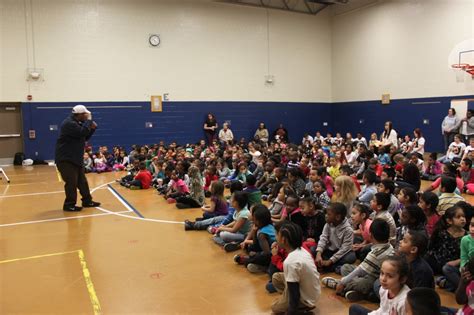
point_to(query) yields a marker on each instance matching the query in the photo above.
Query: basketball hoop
(460, 68)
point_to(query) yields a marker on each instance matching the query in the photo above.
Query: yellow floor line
(87, 276)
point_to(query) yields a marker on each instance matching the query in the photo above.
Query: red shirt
(145, 178)
(208, 180)
(356, 182)
(305, 170)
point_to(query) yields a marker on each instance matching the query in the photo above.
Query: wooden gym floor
(131, 256)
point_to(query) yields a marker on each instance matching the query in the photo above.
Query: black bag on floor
(19, 157)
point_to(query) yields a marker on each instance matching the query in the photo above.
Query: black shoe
(91, 204)
(188, 225)
(72, 208)
(231, 247)
(199, 219)
(181, 206)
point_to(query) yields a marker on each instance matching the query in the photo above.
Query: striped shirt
(446, 201)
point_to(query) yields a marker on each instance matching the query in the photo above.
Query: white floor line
(47, 193)
(62, 219)
(138, 218)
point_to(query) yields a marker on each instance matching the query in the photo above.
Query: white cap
(80, 109)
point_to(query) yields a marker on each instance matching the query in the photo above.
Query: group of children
(330, 207)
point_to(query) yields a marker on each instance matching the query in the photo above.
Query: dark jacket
(72, 140)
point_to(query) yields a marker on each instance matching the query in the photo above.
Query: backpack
(19, 157)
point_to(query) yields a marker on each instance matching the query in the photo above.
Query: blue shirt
(269, 231)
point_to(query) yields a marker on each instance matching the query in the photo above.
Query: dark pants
(348, 258)
(74, 178)
(448, 139)
(210, 137)
(188, 201)
(356, 309)
(136, 183)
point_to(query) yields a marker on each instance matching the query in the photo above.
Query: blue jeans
(348, 258)
(202, 225)
(453, 275)
(228, 237)
(227, 219)
(356, 309)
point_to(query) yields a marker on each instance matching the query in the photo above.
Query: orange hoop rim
(461, 66)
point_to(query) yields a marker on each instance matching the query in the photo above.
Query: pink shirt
(430, 224)
(365, 229)
(437, 183)
(328, 182)
(180, 186)
(468, 309)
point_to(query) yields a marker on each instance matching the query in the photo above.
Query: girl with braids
(299, 281)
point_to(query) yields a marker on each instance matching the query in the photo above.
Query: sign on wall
(156, 103)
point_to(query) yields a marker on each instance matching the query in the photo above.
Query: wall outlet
(361, 121)
(36, 153)
(426, 121)
(148, 125)
(325, 123)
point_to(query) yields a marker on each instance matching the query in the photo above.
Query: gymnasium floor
(127, 257)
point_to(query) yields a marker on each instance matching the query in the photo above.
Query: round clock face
(154, 40)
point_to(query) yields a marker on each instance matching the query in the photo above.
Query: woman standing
(389, 136)
(261, 135)
(210, 127)
(449, 127)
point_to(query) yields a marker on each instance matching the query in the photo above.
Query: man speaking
(75, 131)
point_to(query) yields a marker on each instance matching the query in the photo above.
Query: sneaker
(254, 268)
(337, 270)
(72, 208)
(241, 259)
(231, 247)
(171, 200)
(354, 296)
(91, 204)
(330, 282)
(181, 206)
(212, 229)
(188, 225)
(270, 288)
(441, 282)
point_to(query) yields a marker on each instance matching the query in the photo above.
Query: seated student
(177, 188)
(213, 223)
(414, 158)
(388, 173)
(299, 282)
(369, 190)
(379, 205)
(407, 197)
(134, 169)
(345, 192)
(320, 194)
(428, 203)
(223, 170)
(254, 194)
(465, 289)
(413, 246)
(312, 178)
(423, 301)
(347, 171)
(210, 176)
(383, 157)
(296, 180)
(315, 219)
(467, 175)
(448, 170)
(448, 198)
(259, 241)
(240, 174)
(278, 204)
(375, 166)
(280, 179)
(455, 151)
(467, 245)
(335, 244)
(411, 177)
(358, 281)
(360, 216)
(322, 174)
(278, 257)
(231, 235)
(268, 179)
(195, 199)
(412, 219)
(445, 246)
(333, 169)
(394, 274)
(388, 186)
(142, 180)
(88, 165)
(432, 168)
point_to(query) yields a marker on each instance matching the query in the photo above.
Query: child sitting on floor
(369, 190)
(394, 274)
(465, 289)
(335, 244)
(299, 281)
(320, 194)
(428, 203)
(388, 186)
(142, 180)
(432, 168)
(218, 205)
(448, 198)
(231, 235)
(412, 219)
(379, 205)
(315, 219)
(177, 188)
(195, 199)
(259, 241)
(361, 221)
(358, 281)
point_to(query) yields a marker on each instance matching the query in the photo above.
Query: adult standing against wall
(449, 127)
(466, 129)
(261, 135)
(389, 136)
(225, 135)
(75, 131)
(210, 127)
